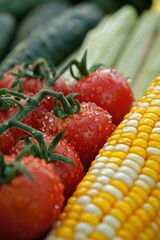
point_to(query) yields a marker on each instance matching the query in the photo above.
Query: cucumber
(38, 16)
(7, 28)
(109, 6)
(19, 7)
(57, 39)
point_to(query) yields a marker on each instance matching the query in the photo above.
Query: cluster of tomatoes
(29, 207)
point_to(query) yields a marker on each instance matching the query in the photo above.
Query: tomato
(30, 119)
(86, 130)
(6, 139)
(29, 208)
(70, 176)
(109, 89)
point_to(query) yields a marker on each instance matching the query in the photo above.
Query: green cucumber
(57, 39)
(38, 16)
(7, 28)
(20, 7)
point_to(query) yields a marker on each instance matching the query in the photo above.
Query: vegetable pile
(70, 72)
(50, 133)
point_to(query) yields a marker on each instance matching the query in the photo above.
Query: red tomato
(109, 89)
(6, 139)
(86, 130)
(30, 119)
(31, 86)
(28, 209)
(70, 176)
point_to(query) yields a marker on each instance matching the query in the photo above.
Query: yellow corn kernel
(152, 165)
(140, 143)
(69, 222)
(131, 202)
(64, 231)
(138, 150)
(147, 121)
(154, 202)
(154, 137)
(143, 215)
(119, 154)
(89, 218)
(128, 135)
(90, 178)
(118, 214)
(137, 198)
(120, 185)
(151, 116)
(102, 204)
(124, 207)
(107, 197)
(140, 191)
(97, 236)
(138, 110)
(126, 141)
(144, 128)
(151, 173)
(125, 235)
(137, 223)
(128, 226)
(142, 135)
(153, 109)
(84, 184)
(154, 144)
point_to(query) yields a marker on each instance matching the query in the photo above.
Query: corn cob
(119, 197)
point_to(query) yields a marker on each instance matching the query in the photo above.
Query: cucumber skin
(20, 7)
(7, 28)
(38, 16)
(56, 40)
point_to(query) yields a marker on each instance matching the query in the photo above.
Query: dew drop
(6, 123)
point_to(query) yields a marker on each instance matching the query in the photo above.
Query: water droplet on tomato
(99, 90)
(6, 123)
(64, 124)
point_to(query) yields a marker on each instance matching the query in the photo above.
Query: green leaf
(23, 169)
(57, 157)
(55, 141)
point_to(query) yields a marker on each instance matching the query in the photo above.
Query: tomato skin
(28, 209)
(109, 89)
(70, 176)
(6, 139)
(86, 130)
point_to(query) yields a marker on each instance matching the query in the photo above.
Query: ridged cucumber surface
(20, 7)
(56, 40)
(38, 16)
(7, 30)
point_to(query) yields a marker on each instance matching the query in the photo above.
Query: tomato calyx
(36, 151)
(81, 66)
(9, 171)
